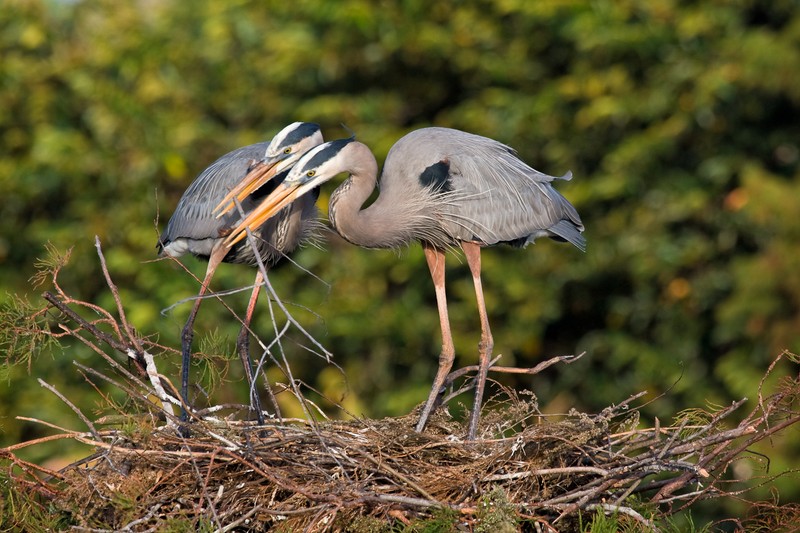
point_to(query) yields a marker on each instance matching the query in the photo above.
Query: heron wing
(194, 217)
(490, 195)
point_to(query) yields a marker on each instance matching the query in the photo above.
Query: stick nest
(526, 470)
(356, 475)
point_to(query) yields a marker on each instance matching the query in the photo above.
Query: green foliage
(219, 352)
(21, 336)
(22, 509)
(496, 514)
(678, 121)
(601, 523)
(364, 524)
(441, 520)
(619, 522)
(683, 524)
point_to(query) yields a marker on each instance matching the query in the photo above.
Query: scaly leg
(243, 347)
(473, 253)
(217, 254)
(435, 258)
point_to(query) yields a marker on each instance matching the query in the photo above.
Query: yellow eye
(311, 173)
(287, 150)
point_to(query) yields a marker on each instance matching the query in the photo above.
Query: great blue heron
(442, 187)
(195, 229)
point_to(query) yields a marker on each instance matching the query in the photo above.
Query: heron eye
(311, 173)
(287, 150)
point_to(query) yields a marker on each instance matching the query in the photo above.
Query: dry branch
(551, 470)
(309, 475)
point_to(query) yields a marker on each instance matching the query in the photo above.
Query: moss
(496, 514)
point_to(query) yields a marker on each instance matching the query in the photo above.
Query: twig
(167, 400)
(28, 466)
(150, 513)
(41, 440)
(608, 508)
(723, 436)
(241, 520)
(115, 293)
(549, 472)
(405, 479)
(84, 324)
(405, 500)
(133, 394)
(71, 406)
(568, 359)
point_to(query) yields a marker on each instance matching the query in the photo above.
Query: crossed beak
(272, 204)
(259, 174)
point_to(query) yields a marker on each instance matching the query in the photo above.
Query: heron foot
(485, 348)
(187, 335)
(243, 349)
(433, 402)
(446, 358)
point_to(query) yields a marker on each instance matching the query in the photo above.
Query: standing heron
(194, 228)
(444, 188)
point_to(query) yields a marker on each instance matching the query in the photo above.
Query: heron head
(320, 164)
(315, 167)
(283, 151)
(290, 143)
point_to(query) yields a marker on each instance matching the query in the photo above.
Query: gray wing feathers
(193, 217)
(567, 231)
(495, 196)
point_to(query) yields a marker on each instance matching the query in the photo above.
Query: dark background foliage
(679, 121)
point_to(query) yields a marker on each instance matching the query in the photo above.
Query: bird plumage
(207, 211)
(194, 229)
(444, 188)
(493, 196)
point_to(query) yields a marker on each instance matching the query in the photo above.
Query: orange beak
(280, 198)
(260, 174)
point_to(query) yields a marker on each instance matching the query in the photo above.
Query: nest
(526, 470)
(364, 475)
(296, 475)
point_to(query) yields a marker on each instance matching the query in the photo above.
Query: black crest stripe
(328, 151)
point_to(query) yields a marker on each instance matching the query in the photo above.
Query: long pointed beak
(260, 174)
(280, 198)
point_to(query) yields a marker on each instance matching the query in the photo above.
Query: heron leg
(243, 347)
(473, 254)
(187, 335)
(436, 259)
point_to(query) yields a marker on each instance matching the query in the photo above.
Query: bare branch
(71, 406)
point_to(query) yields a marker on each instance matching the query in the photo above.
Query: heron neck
(383, 224)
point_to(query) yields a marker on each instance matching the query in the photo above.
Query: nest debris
(301, 476)
(525, 471)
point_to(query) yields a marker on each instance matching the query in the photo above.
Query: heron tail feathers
(568, 231)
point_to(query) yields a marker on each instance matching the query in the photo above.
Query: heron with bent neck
(444, 188)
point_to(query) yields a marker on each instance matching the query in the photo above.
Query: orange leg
(473, 253)
(187, 335)
(243, 347)
(436, 259)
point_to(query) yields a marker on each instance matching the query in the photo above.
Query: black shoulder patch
(304, 130)
(437, 177)
(328, 151)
